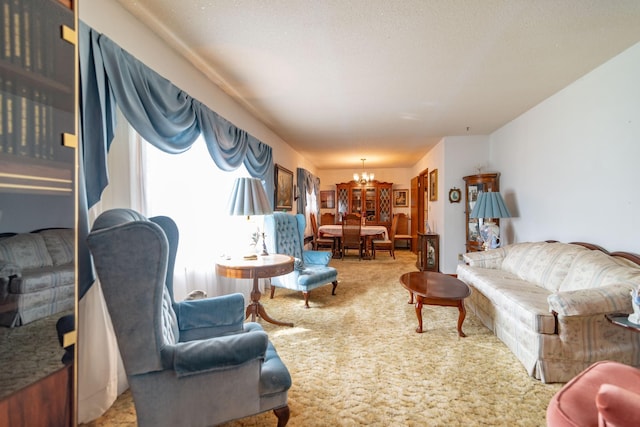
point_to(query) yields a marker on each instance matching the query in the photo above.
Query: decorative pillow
(26, 250)
(298, 264)
(60, 243)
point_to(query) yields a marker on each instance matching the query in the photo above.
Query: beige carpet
(356, 359)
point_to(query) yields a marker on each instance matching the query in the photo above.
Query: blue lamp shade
(249, 198)
(490, 205)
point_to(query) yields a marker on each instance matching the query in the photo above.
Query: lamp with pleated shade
(490, 205)
(248, 198)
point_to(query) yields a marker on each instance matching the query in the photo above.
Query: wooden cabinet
(372, 201)
(428, 252)
(474, 184)
(38, 87)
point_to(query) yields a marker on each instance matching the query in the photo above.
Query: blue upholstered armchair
(190, 363)
(285, 235)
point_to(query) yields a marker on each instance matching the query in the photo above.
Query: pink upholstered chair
(605, 394)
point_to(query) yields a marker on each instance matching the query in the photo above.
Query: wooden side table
(622, 320)
(261, 268)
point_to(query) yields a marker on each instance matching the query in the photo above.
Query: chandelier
(364, 177)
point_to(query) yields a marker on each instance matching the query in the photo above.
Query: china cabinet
(428, 252)
(474, 184)
(372, 201)
(38, 90)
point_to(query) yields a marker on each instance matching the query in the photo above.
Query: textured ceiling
(340, 80)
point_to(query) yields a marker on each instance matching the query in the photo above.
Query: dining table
(368, 232)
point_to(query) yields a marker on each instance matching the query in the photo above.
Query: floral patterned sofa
(547, 302)
(37, 277)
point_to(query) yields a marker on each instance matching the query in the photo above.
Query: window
(189, 188)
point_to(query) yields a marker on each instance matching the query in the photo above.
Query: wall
(568, 165)
(464, 155)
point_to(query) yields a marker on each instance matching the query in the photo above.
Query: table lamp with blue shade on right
(490, 205)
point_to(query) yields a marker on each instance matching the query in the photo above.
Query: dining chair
(351, 234)
(318, 241)
(387, 244)
(327, 218)
(402, 230)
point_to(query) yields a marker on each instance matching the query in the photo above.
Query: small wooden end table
(260, 268)
(433, 288)
(622, 320)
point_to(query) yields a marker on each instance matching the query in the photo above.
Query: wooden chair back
(314, 224)
(351, 239)
(327, 218)
(319, 242)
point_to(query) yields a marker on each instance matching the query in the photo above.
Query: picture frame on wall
(284, 189)
(401, 198)
(433, 185)
(328, 199)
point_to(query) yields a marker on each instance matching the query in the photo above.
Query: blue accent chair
(285, 235)
(190, 363)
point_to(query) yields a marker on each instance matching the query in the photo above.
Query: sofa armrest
(588, 302)
(218, 353)
(316, 257)
(208, 317)
(8, 270)
(485, 259)
(617, 406)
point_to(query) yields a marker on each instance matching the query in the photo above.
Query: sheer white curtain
(188, 188)
(311, 208)
(101, 376)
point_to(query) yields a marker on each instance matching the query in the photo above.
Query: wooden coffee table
(434, 288)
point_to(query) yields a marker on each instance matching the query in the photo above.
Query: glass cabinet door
(370, 205)
(474, 185)
(384, 204)
(356, 200)
(343, 202)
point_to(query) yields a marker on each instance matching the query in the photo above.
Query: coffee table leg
(462, 314)
(419, 313)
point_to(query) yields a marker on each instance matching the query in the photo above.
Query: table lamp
(249, 198)
(490, 205)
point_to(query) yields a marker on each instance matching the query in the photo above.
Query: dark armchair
(190, 363)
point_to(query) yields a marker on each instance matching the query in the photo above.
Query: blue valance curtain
(307, 183)
(159, 111)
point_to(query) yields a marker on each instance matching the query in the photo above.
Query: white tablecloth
(335, 230)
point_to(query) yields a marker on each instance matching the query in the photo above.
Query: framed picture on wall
(400, 198)
(433, 185)
(284, 189)
(328, 199)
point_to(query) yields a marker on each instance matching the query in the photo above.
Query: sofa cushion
(521, 300)
(60, 244)
(541, 263)
(592, 268)
(25, 250)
